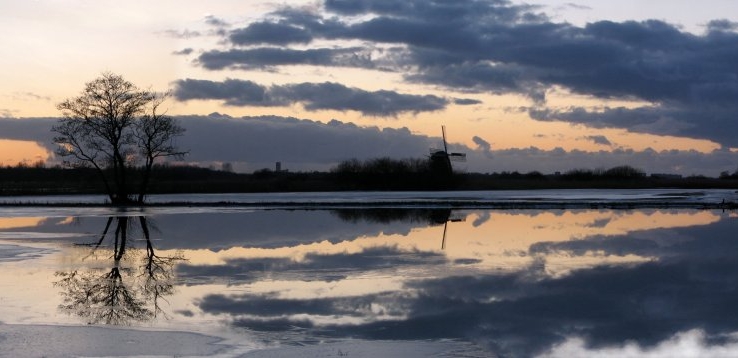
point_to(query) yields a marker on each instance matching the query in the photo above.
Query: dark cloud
(466, 101)
(676, 120)
(30, 129)
(271, 33)
(270, 56)
(327, 95)
(313, 96)
(184, 51)
(497, 46)
(722, 25)
(231, 92)
(599, 139)
(216, 22)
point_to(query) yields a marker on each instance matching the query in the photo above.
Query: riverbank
(708, 199)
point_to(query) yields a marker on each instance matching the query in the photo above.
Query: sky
(520, 86)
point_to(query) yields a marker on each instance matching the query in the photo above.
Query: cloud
(483, 146)
(29, 96)
(685, 162)
(599, 139)
(722, 25)
(231, 92)
(675, 121)
(184, 52)
(216, 22)
(252, 143)
(260, 141)
(466, 101)
(30, 129)
(299, 144)
(317, 267)
(269, 56)
(577, 6)
(184, 34)
(502, 47)
(271, 33)
(313, 96)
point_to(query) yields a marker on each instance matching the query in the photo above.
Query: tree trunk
(145, 180)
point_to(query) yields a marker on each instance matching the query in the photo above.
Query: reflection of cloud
(695, 341)
(520, 312)
(481, 219)
(315, 266)
(20, 222)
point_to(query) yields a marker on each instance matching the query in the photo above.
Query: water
(472, 282)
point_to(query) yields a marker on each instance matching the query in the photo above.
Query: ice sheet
(64, 341)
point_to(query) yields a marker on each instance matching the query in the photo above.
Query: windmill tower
(440, 159)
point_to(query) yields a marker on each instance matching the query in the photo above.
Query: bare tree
(113, 126)
(154, 134)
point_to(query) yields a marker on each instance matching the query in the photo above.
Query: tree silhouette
(112, 126)
(124, 293)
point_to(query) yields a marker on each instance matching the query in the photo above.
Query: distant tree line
(619, 172)
(389, 173)
(353, 174)
(727, 175)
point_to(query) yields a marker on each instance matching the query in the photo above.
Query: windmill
(441, 159)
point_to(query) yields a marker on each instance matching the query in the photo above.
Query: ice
(10, 252)
(70, 341)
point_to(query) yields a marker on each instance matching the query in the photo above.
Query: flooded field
(419, 281)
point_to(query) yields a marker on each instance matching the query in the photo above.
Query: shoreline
(439, 204)
(616, 199)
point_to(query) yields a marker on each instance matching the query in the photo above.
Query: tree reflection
(432, 216)
(127, 292)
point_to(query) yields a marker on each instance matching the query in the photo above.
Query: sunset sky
(520, 86)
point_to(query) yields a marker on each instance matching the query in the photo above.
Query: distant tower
(278, 167)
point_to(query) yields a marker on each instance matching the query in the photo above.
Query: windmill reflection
(120, 290)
